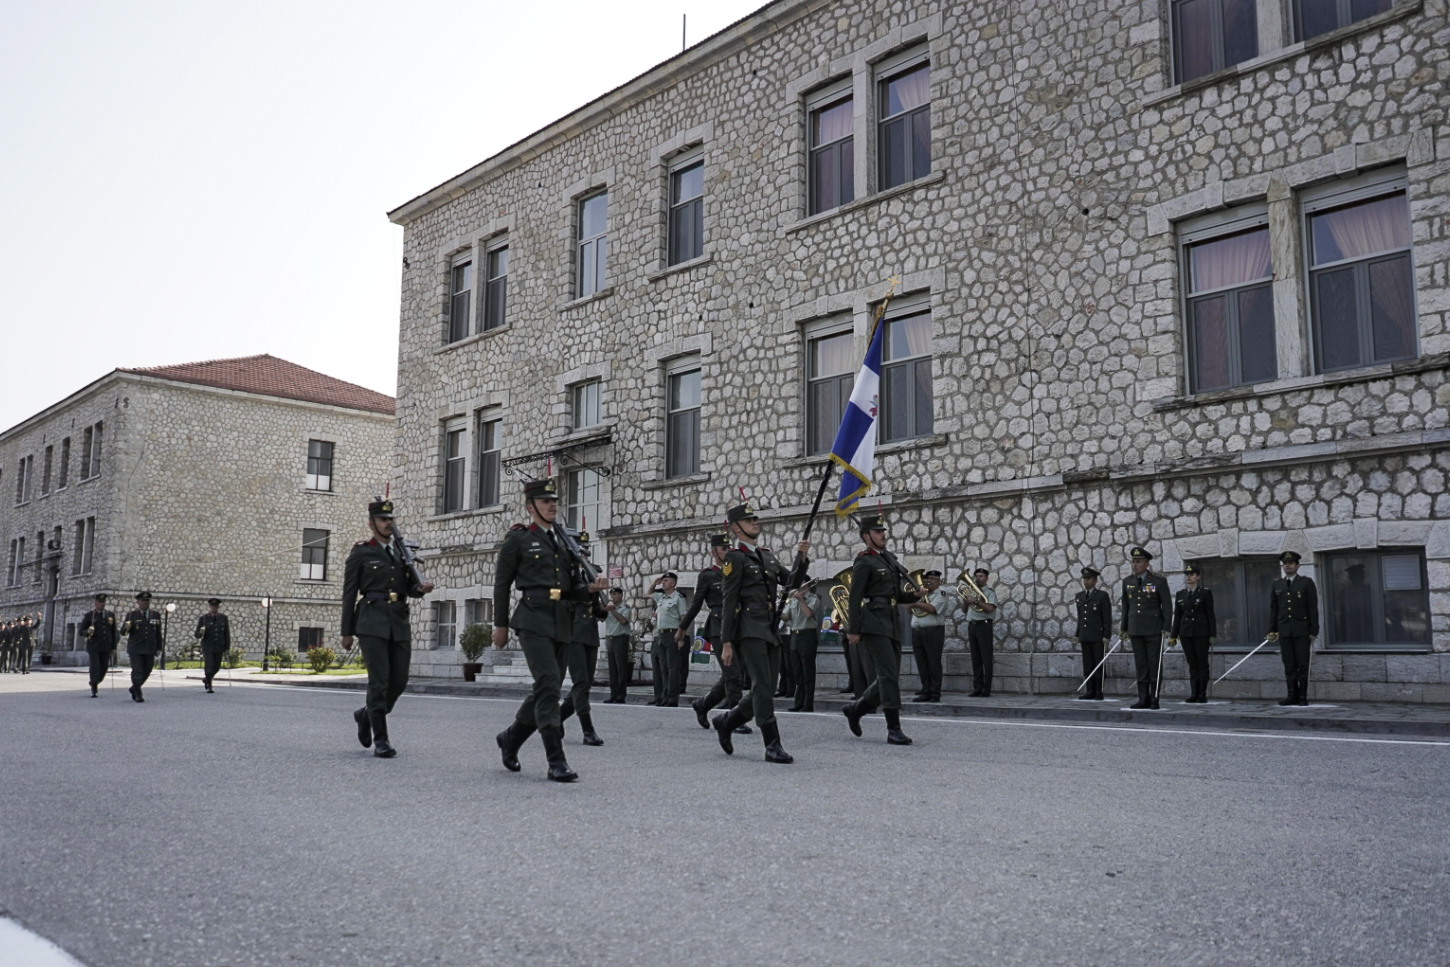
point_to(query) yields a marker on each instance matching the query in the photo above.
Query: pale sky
(191, 179)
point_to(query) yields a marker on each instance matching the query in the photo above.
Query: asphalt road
(249, 828)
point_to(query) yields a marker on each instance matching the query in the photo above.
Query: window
(906, 401)
(1377, 598)
(496, 286)
(905, 105)
(91, 452)
(39, 556)
(445, 613)
(582, 493)
(478, 611)
(64, 464)
(682, 423)
(30, 476)
(586, 405)
(1230, 310)
(1315, 17)
(19, 576)
(832, 155)
(10, 568)
(319, 465)
(460, 302)
(1240, 598)
(80, 561)
(687, 210)
(1361, 282)
(22, 479)
(70, 638)
(829, 379)
(1210, 35)
(593, 244)
(314, 555)
(46, 465)
(490, 461)
(454, 465)
(307, 639)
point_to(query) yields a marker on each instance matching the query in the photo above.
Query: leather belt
(537, 595)
(881, 599)
(980, 621)
(378, 597)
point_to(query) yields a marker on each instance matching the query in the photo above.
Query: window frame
(313, 478)
(580, 411)
(64, 468)
(488, 483)
(883, 73)
(310, 568)
(678, 165)
(817, 101)
(460, 299)
(593, 247)
(826, 329)
(1220, 225)
(581, 514)
(1329, 596)
(908, 310)
(439, 608)
(495, 310)
(1217, 39)
(1256, 623)
(1344, 14)
(453, 496)
(675, 370)
(305, 632)
(47, 466)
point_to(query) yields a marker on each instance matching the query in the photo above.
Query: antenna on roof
(683, 18)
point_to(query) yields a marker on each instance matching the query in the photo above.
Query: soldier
(1147, 618)
(710, 593)
(616, 640)
(214, 631)
(144, 639)
(748, 627)
(1195, 626)
(25, 645)
(879, 583)
(929, 636)
(802, 615)
(534, 557)
(376, 586)
(1294, 624)
(670, 647)
(583, 659)
(7, 636)
(1094, 609)
(981, 617)
(98, 628)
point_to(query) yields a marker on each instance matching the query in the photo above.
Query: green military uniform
(98, 628)
(376, 586)
(804, 640)
(214, 631)
(7, 636)
(1194, 627)
(1147, 616)
(25, 645)
(879, 584)
(1094, 610)
(710, 593)
(583, 660)
(1294, 622)
(616, 639)
(142, 629)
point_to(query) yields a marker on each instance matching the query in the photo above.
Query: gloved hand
(1272, 636)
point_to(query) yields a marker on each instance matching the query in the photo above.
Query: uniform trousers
(790, 669)
(979, 638)
(674, 656)
(804, 644)
(1294, 652)
(23, 657)
(682, 667)
(582, 659)
(100, 660)
(859, 669)
(617, 649)
(1092, 656)
(141, 666)
(547, 659)
(1147, 649)
(762, 659)
(885, 691)
(211, 658)
(927, 645)
(660, 666)
(727, 687)
(1195, 650)
(387, 663)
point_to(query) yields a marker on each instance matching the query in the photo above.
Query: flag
(855, 446)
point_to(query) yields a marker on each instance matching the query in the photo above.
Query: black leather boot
(1152, 696)
(364, 728)
(1291, 691)
(510, 740)
(853, 712)
(586, 722)
(725, 723)
(566, 709)
(94, 693)
(135, 691)
(1142, 701)
(773, 750)
(381, 747)
(894, 735)
(701, 712)
(1303, 690)
(559, 770)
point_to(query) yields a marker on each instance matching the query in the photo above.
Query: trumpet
(967, 589)
(840, 594)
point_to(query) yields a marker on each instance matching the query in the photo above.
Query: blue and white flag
(855, 446)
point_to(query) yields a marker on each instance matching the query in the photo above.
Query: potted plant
(473, 641)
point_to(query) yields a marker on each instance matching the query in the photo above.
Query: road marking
(25, 949)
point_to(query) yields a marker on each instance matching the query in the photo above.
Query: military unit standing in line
(17, 643)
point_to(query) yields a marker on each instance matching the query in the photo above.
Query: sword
(1162, 651)
(1116, 644)
(1241, 661)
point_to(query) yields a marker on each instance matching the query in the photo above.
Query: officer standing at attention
(710, 593)
(143, 640)
(1294, 624)
(753, 577)
(878, 584)
(583, 659)
(25, 647)
(929, 636)
(1195, 625)
(670, 648)
(7, 636)
(802, 614)
(981, 618)
(98, 628)
(535, 557)
(214, 631)
(616, 643)
(1094, 608)
(376, 586)
(1147, 619)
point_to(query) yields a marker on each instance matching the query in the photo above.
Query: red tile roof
(271, 376)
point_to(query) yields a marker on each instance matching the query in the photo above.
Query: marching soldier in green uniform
(142, 629)
(376, 586)
(535, 557)
(1147, 618)
(214, 631)
(25, 645)
(879, 583)
(1195, 625)
(710, 593)
(1094, 608)
(98, 628)
(1294, 624)
(583, 659)
(748, 632)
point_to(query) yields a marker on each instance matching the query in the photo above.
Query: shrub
(321, 658)
(234, 658)
(474, 640)
(283, 657)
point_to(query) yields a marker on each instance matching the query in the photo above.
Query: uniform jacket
(1193, 614)
(752, 581)
(618, 621)
(586, 623)
(1094, 615)
(1147, 611)
(376, 586)
(143, 632)
(98, 628)
(1294, 607)
(876, 590)
(709, 593)
(530, 560)
(215, 632)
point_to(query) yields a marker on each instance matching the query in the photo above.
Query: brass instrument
(967, 589)
(840, 595)
(915, 584)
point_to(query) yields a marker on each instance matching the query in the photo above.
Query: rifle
(586, 567)
(405, 553)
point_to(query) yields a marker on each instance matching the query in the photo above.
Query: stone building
(242, 479)
(1172, 273)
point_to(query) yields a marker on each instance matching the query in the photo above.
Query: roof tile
(271, 376)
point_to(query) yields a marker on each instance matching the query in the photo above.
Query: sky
(186, 180)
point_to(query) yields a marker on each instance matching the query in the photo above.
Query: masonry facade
(1172, 273)
(244, 479)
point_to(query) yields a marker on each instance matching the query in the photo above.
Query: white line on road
(25, 949)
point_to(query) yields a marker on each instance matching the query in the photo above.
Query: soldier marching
(214, 631)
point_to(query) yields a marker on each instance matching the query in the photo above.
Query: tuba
(967, 588)
(841, 597)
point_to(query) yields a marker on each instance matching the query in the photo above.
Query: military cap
(214, 602)
(1140, 554)
(381, 508)
(871, 522)
(719, 540)
(1289, 557)
(616, 590)
(933, 573)
(583, 541)
(981, 570)
(1192, 569)
(740, 512)
(143, 595)
(540, 489)
(99, 597)
(1088, 572)
(671, 575)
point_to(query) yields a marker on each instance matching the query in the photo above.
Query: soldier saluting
(98, 628)
(1294, 624)
(1195, 624)
(214, 631)
(1094, 610)
(1147, 616)
(143, 630)
(376, 586)
(879, 583)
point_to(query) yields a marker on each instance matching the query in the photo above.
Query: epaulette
(361, 543)
(519, 527)
(864, 552)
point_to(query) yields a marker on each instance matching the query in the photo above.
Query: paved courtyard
(248, 828)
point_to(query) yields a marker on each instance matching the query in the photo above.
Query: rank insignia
(727, 568)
